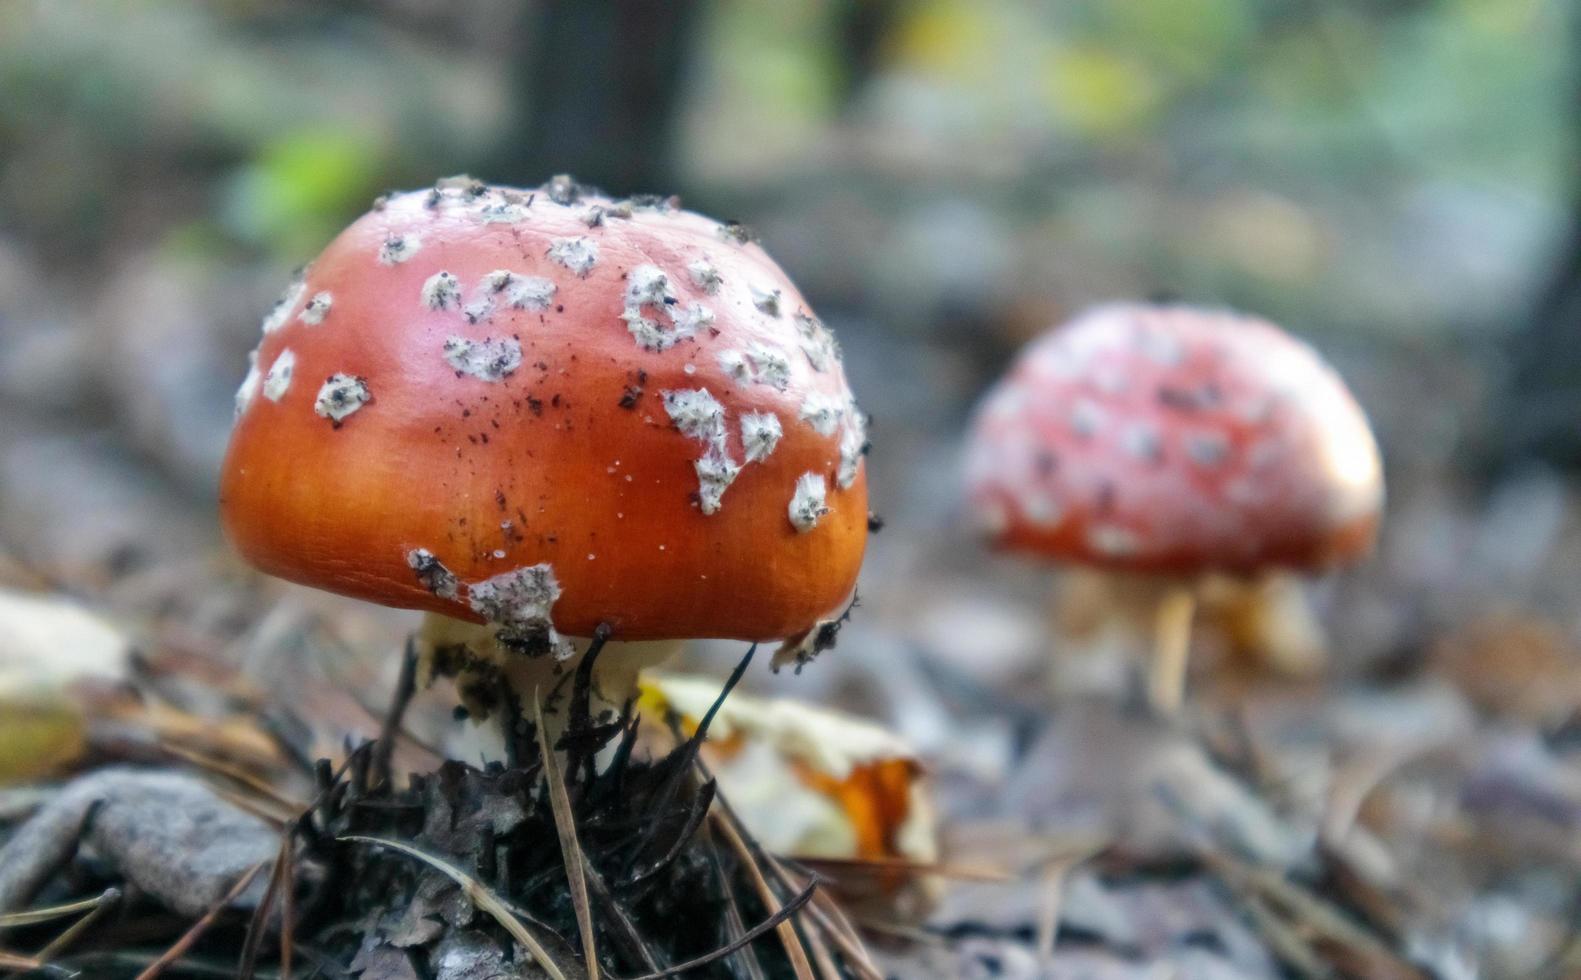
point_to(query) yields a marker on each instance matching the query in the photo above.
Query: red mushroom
(1173, 442)
(531, 414)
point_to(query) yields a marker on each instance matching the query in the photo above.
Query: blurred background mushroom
(1172, 448)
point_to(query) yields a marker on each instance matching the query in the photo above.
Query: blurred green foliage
(291, 196)
(1360, 164)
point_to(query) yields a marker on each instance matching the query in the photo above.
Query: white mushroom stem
(1166, 682)
(613, 682)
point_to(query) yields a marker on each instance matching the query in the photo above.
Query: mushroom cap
(485, 402)
(1165, 439)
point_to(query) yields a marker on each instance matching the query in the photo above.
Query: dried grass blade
(288, 914)
(890, 866)
(787, 931)
(828, 915)
(253, 941)
(778, 920)
(480, 895)
(101, 905)
(570, 848)
(192, 935)
(820, 952)
(16, 961)
(53, 912)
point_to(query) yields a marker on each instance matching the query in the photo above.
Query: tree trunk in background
(596, 94)
(862, 27)
(1542, 411)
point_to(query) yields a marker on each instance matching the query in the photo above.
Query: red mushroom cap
(1174, 440)
(551, 405)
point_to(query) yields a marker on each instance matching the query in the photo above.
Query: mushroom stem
(1166, 682)
(474, 656)
(614, 680)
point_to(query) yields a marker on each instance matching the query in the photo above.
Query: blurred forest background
(1395, 181)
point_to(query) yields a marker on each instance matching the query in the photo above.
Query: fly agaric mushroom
(1174, 443)
(535, 414)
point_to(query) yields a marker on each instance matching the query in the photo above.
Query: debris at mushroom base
(48, 647)
(387, 875)
(662, 889)
(812, 782)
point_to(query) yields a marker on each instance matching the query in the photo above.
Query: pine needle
(787, 931)
(192, 935)
(101, 906)
(570, 849)
(53, 912)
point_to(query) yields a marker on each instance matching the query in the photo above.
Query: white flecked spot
(341, 395)
(1266, 453)
(521, 601)
(497, 281)
(502, 212)
(563, 190)
(691, 318)
(808, 503)
(1206, 449)
(1160, 347)
(578, 254)
(853, 444)
(647, 285)
(398, 248)
(1141, 440)
(1113, 540)
(531, 293)
(490, 360)
(1087, 417)
(822, 412)
(1109, 379)
(480, 309)
(280, 313)
(770, 366)
(715, 472)
(316, 309)
(278, 380)
(689, 368)
(441, 291)
(734, 363)
(432, 573)
(696, 413)
(1041, 509)
(704, 276)
(817, 342)
(760, 434)
(766, 300)
(649, 333)
(249, 386)
(652, 335)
